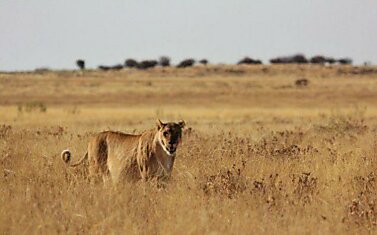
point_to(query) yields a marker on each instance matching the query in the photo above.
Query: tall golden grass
(263, 156)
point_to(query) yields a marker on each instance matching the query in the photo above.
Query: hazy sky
(45, 33)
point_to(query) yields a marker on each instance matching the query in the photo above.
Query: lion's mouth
(171, 151)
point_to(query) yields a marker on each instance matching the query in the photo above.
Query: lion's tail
(67, 156)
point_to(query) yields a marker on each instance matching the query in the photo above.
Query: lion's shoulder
(147, 137)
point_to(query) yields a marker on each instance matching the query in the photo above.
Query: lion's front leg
(142, 157)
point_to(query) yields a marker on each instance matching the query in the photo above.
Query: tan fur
(120, 156)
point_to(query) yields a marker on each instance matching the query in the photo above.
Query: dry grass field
(263, 156)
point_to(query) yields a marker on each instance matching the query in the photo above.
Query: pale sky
(45, 33)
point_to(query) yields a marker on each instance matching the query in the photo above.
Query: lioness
(122, 156)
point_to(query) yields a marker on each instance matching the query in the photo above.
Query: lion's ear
(160, 124)
(182, 123)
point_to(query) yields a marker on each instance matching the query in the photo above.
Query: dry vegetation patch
(254, 160)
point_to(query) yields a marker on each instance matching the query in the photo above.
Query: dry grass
(263, 155)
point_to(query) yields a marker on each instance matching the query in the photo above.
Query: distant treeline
(164, 61)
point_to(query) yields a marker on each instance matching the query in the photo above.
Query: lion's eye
(166, 133)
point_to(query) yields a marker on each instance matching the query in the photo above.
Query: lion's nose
(171, 142)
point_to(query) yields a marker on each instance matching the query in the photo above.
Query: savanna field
(260, 154)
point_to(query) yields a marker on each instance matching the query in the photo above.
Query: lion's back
(109, 144)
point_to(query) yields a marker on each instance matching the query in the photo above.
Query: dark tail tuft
(66, 156)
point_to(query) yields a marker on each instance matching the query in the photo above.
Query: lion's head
(170, 135)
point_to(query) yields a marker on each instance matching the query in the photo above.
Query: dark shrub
(107, 68)
(146, 64)
(186, 63)
(323, 60)
(276, 61)
(345, 61)
(203, 61)
(116, 67)
(164, 61)
(299, 59)
(131, 63)
(80, 64)
(104, 67)
(295, 59)
(248, 60)
(330, 60)
(318, 60)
